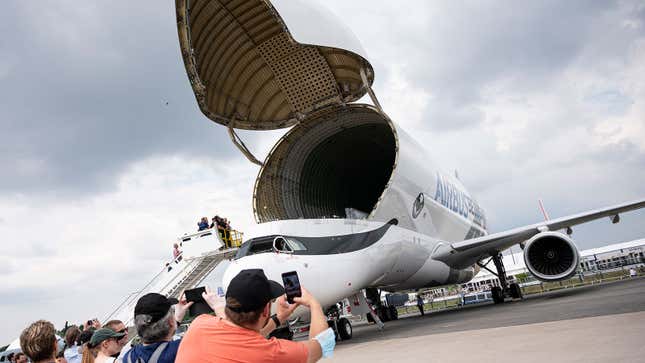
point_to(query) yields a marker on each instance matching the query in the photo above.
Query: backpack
(154, 358)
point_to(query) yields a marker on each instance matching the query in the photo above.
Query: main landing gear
(504, 289)
(384, 313)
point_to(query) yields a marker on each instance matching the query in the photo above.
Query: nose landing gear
(342, 327)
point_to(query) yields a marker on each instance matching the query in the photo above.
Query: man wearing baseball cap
(237, 333)
(155, 318)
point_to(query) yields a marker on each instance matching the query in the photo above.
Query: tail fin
(544, 213)
(546, 217)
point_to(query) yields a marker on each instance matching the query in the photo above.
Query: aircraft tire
(369, 318)
(516, 291)
(344, 329)
(394, 313)
(383, 314)
(498, 295)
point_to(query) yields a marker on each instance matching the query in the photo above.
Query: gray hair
(153, 332)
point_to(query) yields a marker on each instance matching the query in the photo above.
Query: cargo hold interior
(334, 160)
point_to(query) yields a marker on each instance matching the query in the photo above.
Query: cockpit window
(312, 245)
(294, 244)
(260, 246)
(243, 250)
(280, 244)
(255, 246)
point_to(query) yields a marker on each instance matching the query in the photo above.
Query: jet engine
(551, 256)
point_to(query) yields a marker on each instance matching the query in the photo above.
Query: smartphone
(199, 306)
(291, 285)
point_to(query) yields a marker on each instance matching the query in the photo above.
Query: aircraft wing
(465, 253)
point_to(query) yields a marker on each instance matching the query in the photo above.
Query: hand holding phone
(291, 285)
(306, 299)
(199, 305)
(215, 301)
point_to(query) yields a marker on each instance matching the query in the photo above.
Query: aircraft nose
(263, 262)
(231, 271)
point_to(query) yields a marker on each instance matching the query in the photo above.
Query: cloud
(89, 95)
(455, 52)
(99, 176)
(64, 252)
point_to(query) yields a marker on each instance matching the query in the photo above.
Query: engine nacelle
(551, 256)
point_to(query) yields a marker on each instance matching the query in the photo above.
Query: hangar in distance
(346, 197)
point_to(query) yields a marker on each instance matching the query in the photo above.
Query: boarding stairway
(201, 253)
(198, 269)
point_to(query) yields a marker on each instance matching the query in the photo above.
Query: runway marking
(607, 338)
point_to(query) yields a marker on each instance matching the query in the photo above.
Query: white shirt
(73, 354)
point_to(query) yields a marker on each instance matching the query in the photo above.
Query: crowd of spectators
(237, 330)
(81, 344)
(17, 358)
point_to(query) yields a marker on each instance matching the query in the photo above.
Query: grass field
(528, 290)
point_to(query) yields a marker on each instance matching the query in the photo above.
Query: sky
(105, 157)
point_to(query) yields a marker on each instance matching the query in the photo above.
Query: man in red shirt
(240, 336)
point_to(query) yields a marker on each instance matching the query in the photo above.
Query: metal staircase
(198, 268)
(203, 251)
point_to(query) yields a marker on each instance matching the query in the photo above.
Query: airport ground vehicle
(477, 297)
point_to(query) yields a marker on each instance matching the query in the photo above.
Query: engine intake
(551, 256)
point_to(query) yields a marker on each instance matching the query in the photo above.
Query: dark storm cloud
(457, 51)
(84, 86)
(84, 94)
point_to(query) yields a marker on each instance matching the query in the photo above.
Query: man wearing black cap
(240, 335)
(156, 322)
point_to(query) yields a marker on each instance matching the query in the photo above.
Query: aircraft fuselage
(338, 257)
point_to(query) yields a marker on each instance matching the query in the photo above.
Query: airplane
(345, 197)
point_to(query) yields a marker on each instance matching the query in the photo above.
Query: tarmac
(599, 323)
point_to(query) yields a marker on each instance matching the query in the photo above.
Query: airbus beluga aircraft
(346, 197)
